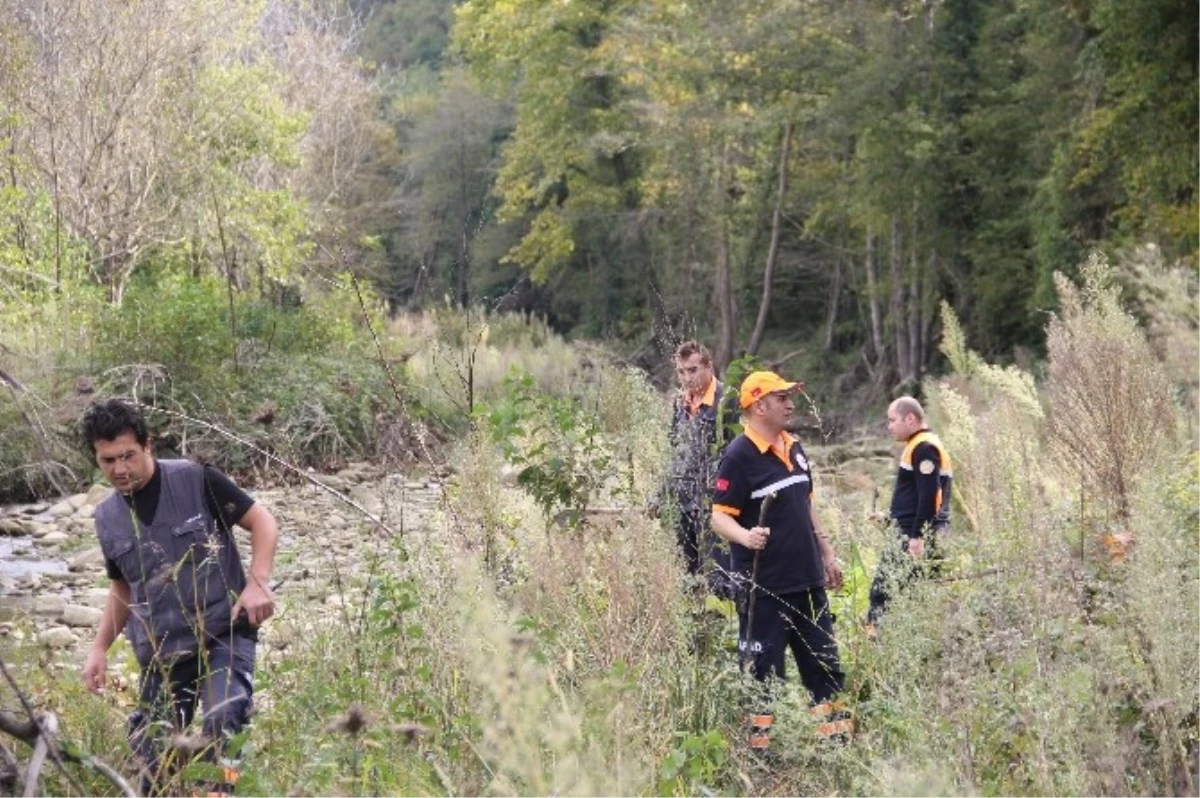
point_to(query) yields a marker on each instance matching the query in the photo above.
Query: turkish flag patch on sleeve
(722, 483)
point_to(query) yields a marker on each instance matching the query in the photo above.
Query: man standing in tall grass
(920, 511)
(781, 555)
(702, 425)
(179, 591)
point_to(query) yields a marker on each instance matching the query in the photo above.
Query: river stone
(93, 597)
(12, 527)
(367, 498)
(78, 615)
(49, 605)
(89, 558)
(60, 509)
(331, 481)
(80, 527)
(33, 528)
(57, 637)
(97, 494)
(51, 538)
(85, 511)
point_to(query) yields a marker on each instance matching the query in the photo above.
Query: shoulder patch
(722, 483)
(800, 461)
(926, 466)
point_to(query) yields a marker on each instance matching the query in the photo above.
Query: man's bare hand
(257, 601)
(95, 669)
(833, 574)
(755, 538)
(916, 548)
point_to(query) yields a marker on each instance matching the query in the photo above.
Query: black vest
(184, 572)
(697, 443)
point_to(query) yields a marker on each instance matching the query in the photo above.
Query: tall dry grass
(495, 651)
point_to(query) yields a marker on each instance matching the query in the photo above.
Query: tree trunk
(873, 302)
(916, 310)
(229, 280)
(899, 325)
(723, 275)
(831, 317)
(724, 354)
(764, 305)
(464, 224)
(931, 305)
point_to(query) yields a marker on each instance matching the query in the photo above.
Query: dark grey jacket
(697, 443)
(184, 571)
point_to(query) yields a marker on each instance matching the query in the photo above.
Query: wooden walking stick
(762, 520)
(758, 724)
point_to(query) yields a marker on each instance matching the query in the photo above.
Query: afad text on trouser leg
(757, 725)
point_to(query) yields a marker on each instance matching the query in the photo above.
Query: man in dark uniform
(920, 512)
(702, 424)
(178, 590)
(784, 561)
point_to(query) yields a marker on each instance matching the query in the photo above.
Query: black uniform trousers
(798, 621)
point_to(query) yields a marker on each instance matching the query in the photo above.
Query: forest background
(430, 234)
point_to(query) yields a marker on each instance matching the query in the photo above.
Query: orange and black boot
(758, 728)
(833, 721)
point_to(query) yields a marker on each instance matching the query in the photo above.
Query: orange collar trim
(763, 444)
(707, 400)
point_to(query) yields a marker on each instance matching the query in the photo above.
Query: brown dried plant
(1111, 401)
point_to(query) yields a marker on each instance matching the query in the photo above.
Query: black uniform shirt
(750, 470)
(921, 497)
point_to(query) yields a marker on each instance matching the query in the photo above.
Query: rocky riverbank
(53, 584)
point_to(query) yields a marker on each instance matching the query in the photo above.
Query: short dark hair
(906, 405)
(104, 421)
(689, 348)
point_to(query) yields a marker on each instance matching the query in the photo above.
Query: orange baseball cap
(760, 383)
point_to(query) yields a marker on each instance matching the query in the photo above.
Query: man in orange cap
(782, 556)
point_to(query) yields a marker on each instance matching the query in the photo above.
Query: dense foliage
(780, 177)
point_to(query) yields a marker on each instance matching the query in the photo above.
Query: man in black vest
(178, 589)
(702, 424)
(920, 511)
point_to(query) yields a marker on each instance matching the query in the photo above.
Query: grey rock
(80, 527)
(367, 498)
(89, 558)
(57, 637)
(60, 509)
(78, 615)
(94, 597)
(97, 494)
(331, 481)
(34, 528)
(12, 527)
(49, 605)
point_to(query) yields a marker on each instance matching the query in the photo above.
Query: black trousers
(221, 678)
(801, 622)
(897, 570)
(703, 552)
